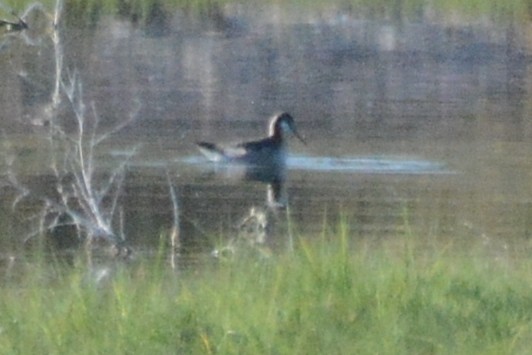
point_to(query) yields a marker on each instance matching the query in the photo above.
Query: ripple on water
(368, 165)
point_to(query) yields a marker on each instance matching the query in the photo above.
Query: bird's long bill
(299, 137)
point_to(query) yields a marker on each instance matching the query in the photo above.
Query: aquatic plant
(86, 198)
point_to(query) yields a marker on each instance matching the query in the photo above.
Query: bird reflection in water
(264, 161)
(256, 228)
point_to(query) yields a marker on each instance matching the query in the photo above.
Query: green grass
(325, 296)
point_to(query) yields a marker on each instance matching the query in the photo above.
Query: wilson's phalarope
(264, 152)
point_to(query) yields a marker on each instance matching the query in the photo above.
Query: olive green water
(415, 123)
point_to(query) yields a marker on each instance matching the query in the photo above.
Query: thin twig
(174, 234)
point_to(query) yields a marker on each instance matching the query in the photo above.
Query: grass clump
(326, 296)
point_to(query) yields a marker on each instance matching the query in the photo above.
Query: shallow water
(414, 125)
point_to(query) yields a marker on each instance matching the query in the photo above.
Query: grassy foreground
(323, 297)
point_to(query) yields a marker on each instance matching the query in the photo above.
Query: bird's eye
(285, 127)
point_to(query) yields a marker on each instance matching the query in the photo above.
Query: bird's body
(269, 151)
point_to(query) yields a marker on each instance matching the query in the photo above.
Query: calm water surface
(415, 124)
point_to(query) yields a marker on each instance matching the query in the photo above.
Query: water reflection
(272, 176)
(257, 232)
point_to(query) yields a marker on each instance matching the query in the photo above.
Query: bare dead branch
(87, 197)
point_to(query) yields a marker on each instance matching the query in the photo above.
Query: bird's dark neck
(277, 135)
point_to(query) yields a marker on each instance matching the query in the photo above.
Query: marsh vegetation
(326, 296)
